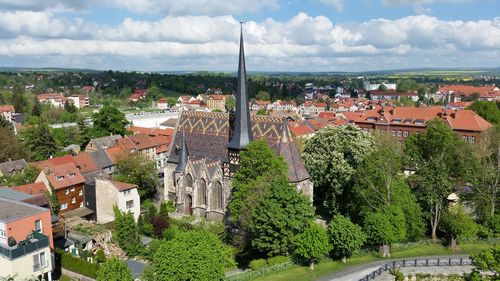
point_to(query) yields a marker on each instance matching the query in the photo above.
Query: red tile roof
(6, 108)
(116, 153)
(63, 176)
(85, 162)
(467, 90)
(32, 188)
(301, 130)
(122, 186)
(327, 114)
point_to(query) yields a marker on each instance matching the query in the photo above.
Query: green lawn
(329, 266)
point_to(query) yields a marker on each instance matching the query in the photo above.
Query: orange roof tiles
(32, 188)
(63, 176)
(468, 90)
(122, 186)
(301, 130)
(6, 108)
(116, 153)
(85, 162)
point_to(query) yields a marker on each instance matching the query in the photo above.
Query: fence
(418, 263)
(250, 274)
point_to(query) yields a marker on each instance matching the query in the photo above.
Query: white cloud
(393, 3)
(201, 42)
(164, 7)
(337, 4)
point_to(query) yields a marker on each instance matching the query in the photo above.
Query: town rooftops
(12, 210)
(122, 186)
(6, 108)
(85, 162)
(32, 188)
(466, 120)
(105, 142)
(12, 166)
(468, 90)
(64, 175)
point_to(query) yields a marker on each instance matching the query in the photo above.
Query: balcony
(34, 242)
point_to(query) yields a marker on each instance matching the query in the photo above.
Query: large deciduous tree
(193, 255)
(109, 121)
(435, 158)
(486, 109)
(457, 224)
(332, 157)
(385, 228)
(114, 270)
(311, 245)
(258, 164)
(281, 213)
(140, 170)
(345, 237)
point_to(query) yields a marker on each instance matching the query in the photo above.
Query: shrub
(398, 275)
(100, 257)
(257, 264)
(76, 264)
(278, 260)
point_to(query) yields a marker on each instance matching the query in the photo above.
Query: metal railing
(417, 263)
(25, 246)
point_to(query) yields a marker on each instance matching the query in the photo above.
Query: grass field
(328, 266)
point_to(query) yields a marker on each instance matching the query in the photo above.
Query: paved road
(356, 272)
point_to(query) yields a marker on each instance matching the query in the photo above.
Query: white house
(373, 87)
(109, 193)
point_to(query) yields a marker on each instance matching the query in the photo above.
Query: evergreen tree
(126, 233)
(37, 108)
(40, 142)
(83, 133)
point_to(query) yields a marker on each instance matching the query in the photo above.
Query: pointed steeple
(183, 156)
(242, 134)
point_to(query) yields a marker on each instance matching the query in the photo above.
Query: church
(204, 154)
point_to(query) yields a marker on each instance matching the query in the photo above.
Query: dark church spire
(242, 134)
(183, 156)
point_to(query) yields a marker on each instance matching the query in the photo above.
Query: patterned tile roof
(207, 135)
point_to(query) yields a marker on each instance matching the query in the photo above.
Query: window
(399, 133)
(39, 261)
(2, 233)
(81, 204)
(465, 138)
(71, 175)
(60, 178)
(38, 226)
(80, 193)
(393, 132)
(64, 206)
(129, 204)
(73, 189)
(202, 192)
(405, 134)
(472, 139)
(66, 192)
(73, 200)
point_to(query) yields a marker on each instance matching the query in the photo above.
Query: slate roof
(207, 135)
(11, 166)
(101, 159)
(105, 142)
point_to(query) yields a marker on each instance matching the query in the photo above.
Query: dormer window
(396, 120)
(71, 175)
(60, 178)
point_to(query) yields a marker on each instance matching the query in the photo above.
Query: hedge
(75, 264)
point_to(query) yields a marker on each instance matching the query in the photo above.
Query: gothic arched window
(202, 192)
(188, 180)
(218, 197)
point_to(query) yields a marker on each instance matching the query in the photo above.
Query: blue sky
(280, 35)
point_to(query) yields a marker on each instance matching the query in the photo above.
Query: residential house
(260, 105)
(454, 93)
(8, 112)
(216, 102)
(10, 168)
(279, 105)
(102, 143)
(155, 147)
(56, 100)
(162, 104)
(403, 122)
(80, 101)
(458, 105)
(88, 89)
(111, 193)
(40, 200)
(392, 95)
(67, 182)
(26, 240)
(137, 95)
(374, 87)
(312, 108)
(184, 100)
(39, 193)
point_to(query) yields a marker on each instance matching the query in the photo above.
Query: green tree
(382, 87)
(457, 224)
(280, 214)
(109, 121)
(84, 132)
(434, 155)
(331, 158)
(40, 142)
(70, 107)
(36, 110)
(258, 164)
(345, 237)
(171, 102)
(191, 255)
(140, 170)
(486, 109)
(488, 259)
(100, 256)
(263, 95)
(114, 270)
(126, 233)
(18, 99)
(311, 244)
(10, 146)
(385, 228)
(230, 103)
(153, 92)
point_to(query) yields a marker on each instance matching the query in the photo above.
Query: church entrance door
(188, 205)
